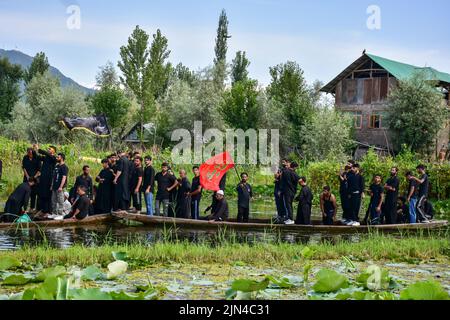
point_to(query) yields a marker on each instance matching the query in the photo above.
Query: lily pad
(16, 280)
(50, 272)
(247, 285)
(92, 273)
(425, 290)
(89, 294)
(7, 263)
(119, 255)
(329, 281)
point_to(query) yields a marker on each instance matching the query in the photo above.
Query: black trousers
(44, 204)
(390, 212)
(287, 203)
(243, 214)
(279, 204)
(345, 203)
(137, 200)
(303, 214)
(355, 206)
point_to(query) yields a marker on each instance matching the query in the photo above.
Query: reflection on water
(118, 233)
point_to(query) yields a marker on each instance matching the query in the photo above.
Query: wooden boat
(266, 224)
(88, 221)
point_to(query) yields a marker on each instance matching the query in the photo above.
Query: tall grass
(374, 247)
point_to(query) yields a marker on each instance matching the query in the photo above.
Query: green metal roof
(403, 71)
(397, 69)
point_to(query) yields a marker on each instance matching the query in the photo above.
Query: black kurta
(122, 189)
(17, 200)
(103, 197)
(183, 207)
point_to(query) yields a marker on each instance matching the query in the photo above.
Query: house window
(375, 121)
(357, 118)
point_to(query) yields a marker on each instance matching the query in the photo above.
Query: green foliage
(240, 107)
(425, 290)
(39, 66)
(220, 50)
(113, 103)
(107, 76)
(7, 263)
(289, 92)
(416, 113)
(329, 281)
(375, 278)
(327, 136)
(239, 67)
(158, 68)
(182, 73)
(10, 76)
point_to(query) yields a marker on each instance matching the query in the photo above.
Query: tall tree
(107, 76)
(40, 87)
(221, 48)
(39, 66)
(134, 66)
(240, 107)
(113, 103)
(289, 92)
(416, 113)
(158, 68)
(239, 67)
(181, 72)
(10, 76)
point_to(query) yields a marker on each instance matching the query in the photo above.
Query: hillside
(25, 60)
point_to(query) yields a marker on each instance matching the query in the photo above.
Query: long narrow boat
(266, 224)
(93, 220)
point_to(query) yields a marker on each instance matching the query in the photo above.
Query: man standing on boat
(411, 197)
(149, 185)
(343, 193)
(376, 200)
(121, 183)
(103, 197)
(245, 193)
(83, 180)
(356, 191)
(31, 167)
(136, 184)
(195, 194)
(166, 183)
(48, 159)
(289, 183)
(59, 182)
(424, 184)
(304, 204)
(183, 206)
(390, 205)
(277, 190)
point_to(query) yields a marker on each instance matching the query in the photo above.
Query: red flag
(212, 171)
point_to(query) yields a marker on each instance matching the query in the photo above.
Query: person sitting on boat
(328, 206)
(402, 211)
(220, 210)
(17, 202)
(245, 193)
(304, 204)
(80, 208)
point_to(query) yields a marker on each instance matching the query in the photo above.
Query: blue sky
(322, 36)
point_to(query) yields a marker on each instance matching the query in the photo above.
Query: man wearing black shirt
(390, 205)
(376, 200)
(18, 201)
(103, 196)
(288, 186)
(183, 206)
(245, 193)
(195, 194)
(305, 204)
(136, 184)
(422, 193)
(48, 159)
(411, 197)
(344, 195)
(59, 182)
(277, 190)
(80, 208)
(31, 167)
(83, 180)
(166, 183)
(149, 185)
(220, 210)
(121, 183)
(355, 184)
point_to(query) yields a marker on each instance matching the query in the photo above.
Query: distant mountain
(24, 60)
